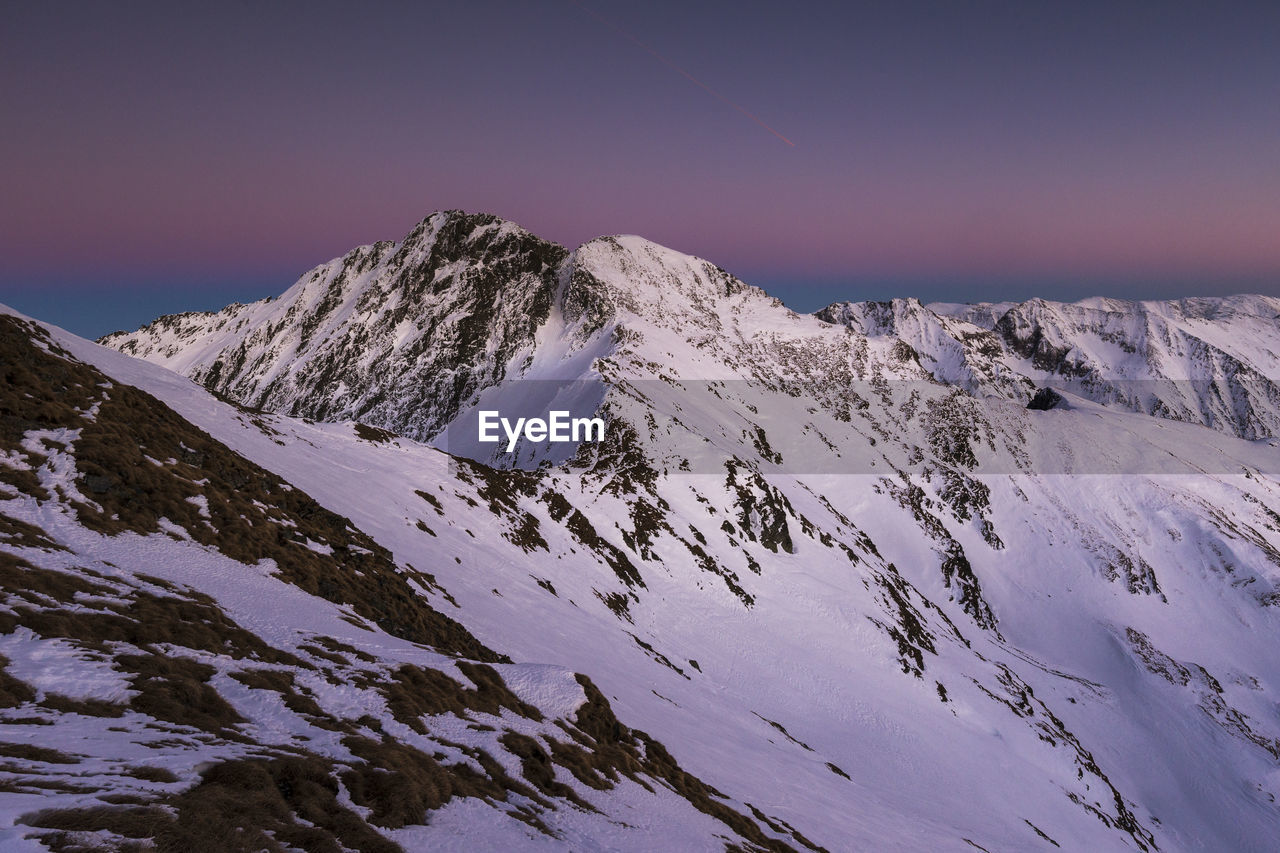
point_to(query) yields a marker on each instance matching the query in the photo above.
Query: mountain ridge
(422, 306)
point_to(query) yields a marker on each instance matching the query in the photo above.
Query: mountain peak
(652, 281)
(405, 335)
(428, 319)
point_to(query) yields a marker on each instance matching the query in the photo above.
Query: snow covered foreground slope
(196, 656)
(839, 586)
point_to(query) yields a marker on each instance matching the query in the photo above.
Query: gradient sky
(162, 157)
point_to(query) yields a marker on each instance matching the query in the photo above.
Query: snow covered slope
(833, 563)
(1210, 361)
(195, 654)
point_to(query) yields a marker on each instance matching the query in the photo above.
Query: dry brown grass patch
(31, 752)
(176, 690)
(13, 691)
(415, 692)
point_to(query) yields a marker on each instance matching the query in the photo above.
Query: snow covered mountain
(394, 335)
(1210, 361)
(830, 562)
(402, 335)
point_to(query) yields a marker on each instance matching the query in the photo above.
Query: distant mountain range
(828, 582)
(402, 335)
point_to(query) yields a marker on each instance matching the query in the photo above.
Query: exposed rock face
(1045, 399)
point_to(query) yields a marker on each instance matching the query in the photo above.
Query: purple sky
(160, 159)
